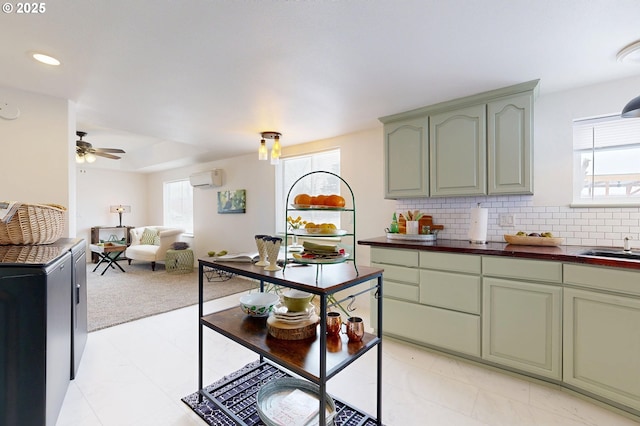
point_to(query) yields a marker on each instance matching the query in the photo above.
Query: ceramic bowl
(296, 300)
(258, 304)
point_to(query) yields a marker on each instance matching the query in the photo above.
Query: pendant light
(632, 109)
(275, 149)
(630, 54)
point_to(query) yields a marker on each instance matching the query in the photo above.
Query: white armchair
(151, 246)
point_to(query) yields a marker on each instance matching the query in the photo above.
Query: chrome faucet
(627, 244)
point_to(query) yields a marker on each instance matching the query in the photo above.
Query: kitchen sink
(616, 254)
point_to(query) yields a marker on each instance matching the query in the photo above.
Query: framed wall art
(232, 201)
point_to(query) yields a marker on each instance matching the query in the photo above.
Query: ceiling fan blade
(105, 155)
(112, 150)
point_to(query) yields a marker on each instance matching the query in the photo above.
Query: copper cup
(355, 329)
(334, 323)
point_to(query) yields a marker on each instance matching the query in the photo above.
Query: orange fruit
(335, 201)
(304, 199)
(321, 200)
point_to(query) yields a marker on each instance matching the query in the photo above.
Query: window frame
(581, 166)
(281, 191)
(165, 206)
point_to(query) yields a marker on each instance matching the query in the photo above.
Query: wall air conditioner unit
(211, 178)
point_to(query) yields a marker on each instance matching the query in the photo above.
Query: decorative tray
(292, 401)
(414, 237)
(533, 241)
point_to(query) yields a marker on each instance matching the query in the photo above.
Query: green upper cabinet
(509, 147)
(458, 152)
(406, 165)
(477, 145)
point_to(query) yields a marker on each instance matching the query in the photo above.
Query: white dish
(319, 231)
(315, 207)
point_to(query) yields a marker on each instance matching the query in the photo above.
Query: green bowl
(296, 301)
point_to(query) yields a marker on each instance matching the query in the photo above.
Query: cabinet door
(406, 165)
(602, 345)
(509, 145)
(449, 330)
(458, 152)
(521, 326)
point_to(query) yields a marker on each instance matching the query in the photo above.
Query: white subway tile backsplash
(594, 226)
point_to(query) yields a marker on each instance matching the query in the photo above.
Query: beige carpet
(117, 297)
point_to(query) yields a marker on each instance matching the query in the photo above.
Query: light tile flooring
(136, 373)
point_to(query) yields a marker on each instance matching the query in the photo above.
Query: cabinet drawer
(402, 291)
(450, 262)
(536, 270)
(395, 256)
(603, 278)
(450, 330)
(450, 290)
(399, 273)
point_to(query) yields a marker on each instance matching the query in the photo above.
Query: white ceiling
(179, 81)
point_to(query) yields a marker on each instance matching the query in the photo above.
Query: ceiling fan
(86, 152)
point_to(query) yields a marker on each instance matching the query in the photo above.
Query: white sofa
(155, 251)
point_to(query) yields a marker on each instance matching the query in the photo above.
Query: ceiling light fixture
(46, 59)
(275, 149)
(632, 109)
(630, 53)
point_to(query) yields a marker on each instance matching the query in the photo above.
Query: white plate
(313, 261)
(283, 311)
(315, 207)
(319, 231)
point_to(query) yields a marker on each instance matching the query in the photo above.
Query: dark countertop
(562, 254)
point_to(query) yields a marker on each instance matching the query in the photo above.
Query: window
(606, 161)
(292, 168)
(178, 205)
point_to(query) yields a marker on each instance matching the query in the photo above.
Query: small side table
(105, 253)
(179, 261)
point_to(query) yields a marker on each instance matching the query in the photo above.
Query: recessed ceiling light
(631, 53)
(45, 59)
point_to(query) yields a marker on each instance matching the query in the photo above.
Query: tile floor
(136, 373)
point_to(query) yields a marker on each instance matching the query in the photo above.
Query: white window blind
(178, 205)
(291, 169)
(606, 165)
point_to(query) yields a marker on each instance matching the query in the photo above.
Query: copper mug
(334, 323)
(355, 329)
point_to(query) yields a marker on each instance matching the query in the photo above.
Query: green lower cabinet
(522, 326)
(454, 331)
(602, 345)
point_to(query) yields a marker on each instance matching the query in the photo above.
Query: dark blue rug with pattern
(233, 399)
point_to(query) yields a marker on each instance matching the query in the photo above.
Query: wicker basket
(34, 224)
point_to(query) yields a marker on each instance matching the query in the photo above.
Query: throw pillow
(156, 240)
(148, 236)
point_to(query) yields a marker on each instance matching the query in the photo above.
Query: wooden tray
(533, 241)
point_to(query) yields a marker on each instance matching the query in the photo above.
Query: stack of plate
(281, 313)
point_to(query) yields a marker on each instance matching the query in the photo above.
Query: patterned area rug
(118, 297)
(236, 403)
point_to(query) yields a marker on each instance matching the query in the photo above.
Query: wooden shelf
(299, 356)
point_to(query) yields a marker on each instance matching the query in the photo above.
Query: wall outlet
(508, 220)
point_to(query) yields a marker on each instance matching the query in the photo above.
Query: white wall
(98, 189)
(38, 152)
(362, 165)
